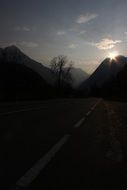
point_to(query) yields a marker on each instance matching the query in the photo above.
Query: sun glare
(112, 55)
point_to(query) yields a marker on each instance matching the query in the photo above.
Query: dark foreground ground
(63, 144)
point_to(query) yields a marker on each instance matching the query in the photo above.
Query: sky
(86, 31)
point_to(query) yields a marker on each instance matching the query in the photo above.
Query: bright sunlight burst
(112, 55)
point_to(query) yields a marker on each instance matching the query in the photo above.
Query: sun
(112, 55)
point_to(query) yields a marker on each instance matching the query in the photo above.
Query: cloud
(85, 18)
(29, 44)
(106, 43)
(24, 28)
(72, 46)
(82, 32)
(60, 33)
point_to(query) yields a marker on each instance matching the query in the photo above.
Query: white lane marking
(79, 123)
(88, 113)
(93, 108)
(22, 110)
(32, 173)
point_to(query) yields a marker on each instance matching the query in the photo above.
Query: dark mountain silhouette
(23, 78)
(104, 75)
(117, 88)
(13, 54)
(17, 81)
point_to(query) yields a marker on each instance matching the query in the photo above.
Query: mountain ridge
(106, 72)
(14, 54)
(108, 68)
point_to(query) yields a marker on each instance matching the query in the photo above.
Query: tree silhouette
(61, 68)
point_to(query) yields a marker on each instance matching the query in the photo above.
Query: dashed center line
(33, 172)
(88, 113)
(79, 123)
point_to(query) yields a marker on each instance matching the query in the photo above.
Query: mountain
(78, 76)
(17, 81)
(104, 74)
(117, 88)
(13, 54)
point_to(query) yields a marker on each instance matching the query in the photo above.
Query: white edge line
(22, 110)
(33, 172)
(32, 109)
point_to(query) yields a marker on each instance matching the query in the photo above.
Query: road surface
(63, 144)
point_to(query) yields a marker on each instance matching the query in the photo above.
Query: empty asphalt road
(63, 144)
